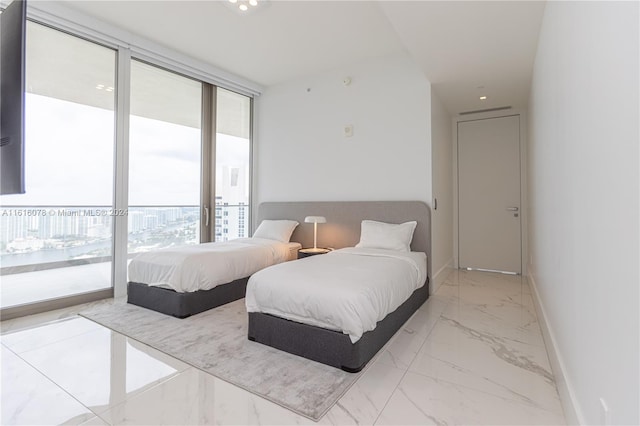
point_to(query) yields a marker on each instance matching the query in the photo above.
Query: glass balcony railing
(50, 237)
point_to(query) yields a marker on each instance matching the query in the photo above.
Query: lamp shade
(315, 219)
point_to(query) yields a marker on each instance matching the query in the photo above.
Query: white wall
(583, 193)
(301, 153)
(442, 178)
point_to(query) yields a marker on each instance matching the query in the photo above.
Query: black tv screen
(13, 23)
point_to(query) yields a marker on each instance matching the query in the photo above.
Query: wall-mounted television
(13, 24)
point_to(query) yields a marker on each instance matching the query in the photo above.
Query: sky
(69, 151)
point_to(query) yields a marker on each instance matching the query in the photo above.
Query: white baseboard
(440, 276)
(572, 412)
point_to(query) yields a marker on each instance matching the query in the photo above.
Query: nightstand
(306, 252)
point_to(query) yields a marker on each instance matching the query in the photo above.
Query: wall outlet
(605, 413)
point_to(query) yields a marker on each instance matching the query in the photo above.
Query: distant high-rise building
(135, 220)
(232, 205)
(11, 228)
(150, 222)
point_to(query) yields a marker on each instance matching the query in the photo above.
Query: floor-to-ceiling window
(164, 159)
(56, 239)
(233, 165)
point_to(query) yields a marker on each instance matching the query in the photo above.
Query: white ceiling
(458, 45)
(464, 45)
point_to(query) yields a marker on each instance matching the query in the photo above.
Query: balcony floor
(36, 286)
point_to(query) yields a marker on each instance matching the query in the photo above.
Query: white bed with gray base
(187, 280)
(341, 308)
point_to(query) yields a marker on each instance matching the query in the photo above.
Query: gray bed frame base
(332, 347)
(183, 305)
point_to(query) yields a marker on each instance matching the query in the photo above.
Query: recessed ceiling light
(482, 98)
(245, 7)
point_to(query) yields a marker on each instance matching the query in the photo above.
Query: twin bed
(187, 280)
(338, 308)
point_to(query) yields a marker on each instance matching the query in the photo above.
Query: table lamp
(315, 220)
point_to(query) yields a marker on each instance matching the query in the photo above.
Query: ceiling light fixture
(483, 98)
(105, 88)
(244, 5)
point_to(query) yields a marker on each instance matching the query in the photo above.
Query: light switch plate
(348, 130)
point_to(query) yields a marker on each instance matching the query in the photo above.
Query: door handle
(206, 216)
(512, 209)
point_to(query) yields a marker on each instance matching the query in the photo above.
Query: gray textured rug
(216, 341)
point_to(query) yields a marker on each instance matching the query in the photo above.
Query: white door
(489, 194)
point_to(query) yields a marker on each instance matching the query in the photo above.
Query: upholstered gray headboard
(344, 217)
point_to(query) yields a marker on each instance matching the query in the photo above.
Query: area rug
(216, 342)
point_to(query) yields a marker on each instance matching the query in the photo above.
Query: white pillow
(279, 230)
(386, 236)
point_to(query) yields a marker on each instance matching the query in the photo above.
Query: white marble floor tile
(435, 304)
(402, 349)
(95, 421)
(440, 297)
(490, 363)
(448, 292)
(405, 344)
(423, 320)
(197, 398)
(37, 337)
(363, 403)
(485, 295)
(510, 320)
(103, 368)
(421, 400)
(29, 398)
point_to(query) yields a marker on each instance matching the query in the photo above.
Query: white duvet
(204, 266)
(348, 290)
